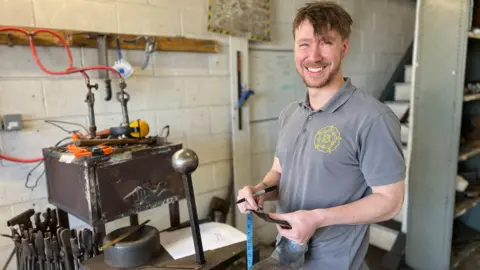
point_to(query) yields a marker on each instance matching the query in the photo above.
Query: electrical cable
(39, 163)
(52, 122)
(69, 70)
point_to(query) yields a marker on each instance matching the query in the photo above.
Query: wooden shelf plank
(473, 35)
(466, 155)
(471, 97)
(466, 204)
(471, 149)
(467, 200)
(88, 39)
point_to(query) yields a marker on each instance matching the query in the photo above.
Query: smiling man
(339, 163)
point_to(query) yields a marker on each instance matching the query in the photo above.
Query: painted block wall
(188, 91)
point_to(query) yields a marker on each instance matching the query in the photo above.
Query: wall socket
(11, 122)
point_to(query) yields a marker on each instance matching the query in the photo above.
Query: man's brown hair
(324, 16)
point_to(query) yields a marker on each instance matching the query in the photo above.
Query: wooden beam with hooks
(128, 41)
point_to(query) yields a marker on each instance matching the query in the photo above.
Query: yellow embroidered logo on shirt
(327, 139)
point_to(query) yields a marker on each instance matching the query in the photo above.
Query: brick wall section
(188, 91)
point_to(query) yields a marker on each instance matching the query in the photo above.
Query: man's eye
(303, 45)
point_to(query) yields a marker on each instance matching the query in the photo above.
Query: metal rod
(91, 113)
(134, 219)
(174, 209)
(102, 48)
(239, 78)
(192, 210)
(263, 120)
(270, 50)
(123, 97)
(10, 258)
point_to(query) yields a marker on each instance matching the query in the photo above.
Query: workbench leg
(174, 209)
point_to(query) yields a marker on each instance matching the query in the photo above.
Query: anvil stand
(185, 162)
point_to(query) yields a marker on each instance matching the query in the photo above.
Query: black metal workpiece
(100, 189)
(185, 161)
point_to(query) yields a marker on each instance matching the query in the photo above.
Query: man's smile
(315, 70)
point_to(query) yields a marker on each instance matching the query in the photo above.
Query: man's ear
(345, 47)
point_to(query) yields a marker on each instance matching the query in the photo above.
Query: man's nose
(316, 54)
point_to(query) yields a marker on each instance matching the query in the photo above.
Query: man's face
(318, 58)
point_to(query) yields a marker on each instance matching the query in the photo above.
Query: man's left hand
(302, 223)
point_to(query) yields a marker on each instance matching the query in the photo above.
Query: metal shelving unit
(440, 149)
(439, 64)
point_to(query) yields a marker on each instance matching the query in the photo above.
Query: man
(339, 162)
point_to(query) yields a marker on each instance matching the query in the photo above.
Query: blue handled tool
(243, 97)
(249, 240)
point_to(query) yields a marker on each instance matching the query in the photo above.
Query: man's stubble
(329, 79)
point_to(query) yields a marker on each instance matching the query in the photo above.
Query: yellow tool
(139, 129)
(136, 129)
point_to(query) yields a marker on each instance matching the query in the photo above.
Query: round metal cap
(185, 161)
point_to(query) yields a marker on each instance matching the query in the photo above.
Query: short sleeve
(381, 155)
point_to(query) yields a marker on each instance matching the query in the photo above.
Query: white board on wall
(276, 83)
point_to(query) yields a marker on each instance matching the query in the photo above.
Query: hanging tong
(150, 47)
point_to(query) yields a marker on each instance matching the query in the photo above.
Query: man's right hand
(272, 178)
(250, 202)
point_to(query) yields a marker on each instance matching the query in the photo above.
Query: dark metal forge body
(105, 188)
(101, 189)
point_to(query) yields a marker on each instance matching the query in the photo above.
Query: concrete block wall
(188, 91)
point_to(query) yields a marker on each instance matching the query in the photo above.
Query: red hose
(69, 70)
(21, 160)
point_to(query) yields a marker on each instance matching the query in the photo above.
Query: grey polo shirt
(331, 157)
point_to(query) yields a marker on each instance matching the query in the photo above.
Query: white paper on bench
(214, 235)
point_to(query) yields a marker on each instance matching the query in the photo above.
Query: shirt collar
(345, 92)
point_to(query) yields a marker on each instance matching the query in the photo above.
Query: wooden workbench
(215, 259)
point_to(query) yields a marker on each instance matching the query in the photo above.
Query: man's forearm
(272, 178)
(374, 208)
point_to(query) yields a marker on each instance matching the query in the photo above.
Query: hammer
(23, 218)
